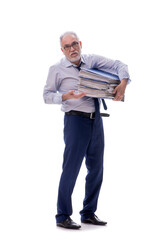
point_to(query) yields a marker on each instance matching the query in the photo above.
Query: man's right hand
(71, 95)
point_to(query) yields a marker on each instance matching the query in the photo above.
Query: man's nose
(72, 48)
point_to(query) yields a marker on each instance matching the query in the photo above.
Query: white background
(31, 132)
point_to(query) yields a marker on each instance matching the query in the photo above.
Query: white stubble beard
(76, 58)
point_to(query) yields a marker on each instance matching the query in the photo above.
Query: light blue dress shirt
(63, 77)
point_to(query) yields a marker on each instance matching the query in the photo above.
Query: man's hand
(71, 95)
(120, 90)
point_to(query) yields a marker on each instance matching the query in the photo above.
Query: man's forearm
(124, 81)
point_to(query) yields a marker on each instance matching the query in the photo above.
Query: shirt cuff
(58, 98)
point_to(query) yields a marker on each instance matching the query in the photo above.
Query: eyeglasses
(74, 45)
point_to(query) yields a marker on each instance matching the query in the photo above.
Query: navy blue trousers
(84, 138)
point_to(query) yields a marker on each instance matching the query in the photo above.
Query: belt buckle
(91, 116)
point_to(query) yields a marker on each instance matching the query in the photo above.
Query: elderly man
(83, 127)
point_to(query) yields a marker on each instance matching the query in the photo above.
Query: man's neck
(77, 62)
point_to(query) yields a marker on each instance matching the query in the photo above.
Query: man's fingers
(71, 95)
(114, 91)
(71, 92)
(119, 93)
(80, 95)
(118, 97)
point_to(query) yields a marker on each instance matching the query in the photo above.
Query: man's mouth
(74, 54)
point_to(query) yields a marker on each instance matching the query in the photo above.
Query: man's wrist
(124, 81)
(64, 96)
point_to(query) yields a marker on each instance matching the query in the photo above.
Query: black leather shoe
(68, 223)
(94, 220)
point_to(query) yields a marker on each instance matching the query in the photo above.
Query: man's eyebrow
(67, 45)
(70, 44)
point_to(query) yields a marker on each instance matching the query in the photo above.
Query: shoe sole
(74, 228)
(89, 222)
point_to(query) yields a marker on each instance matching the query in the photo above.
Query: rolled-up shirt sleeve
(122, 70)
(113, 66)
(50, 93)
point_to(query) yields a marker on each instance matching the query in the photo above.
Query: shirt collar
(67, 63)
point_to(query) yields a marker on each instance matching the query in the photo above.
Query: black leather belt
(84, 114)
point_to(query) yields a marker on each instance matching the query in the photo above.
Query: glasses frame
(74, 45)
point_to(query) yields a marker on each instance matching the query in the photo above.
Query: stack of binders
(97, 83)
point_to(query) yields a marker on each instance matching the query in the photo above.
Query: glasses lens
(67, 47)
(74, 45)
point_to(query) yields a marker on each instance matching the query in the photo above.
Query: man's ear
(62, 49)
(80, 44)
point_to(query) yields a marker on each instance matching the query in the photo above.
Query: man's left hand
(120, 90)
